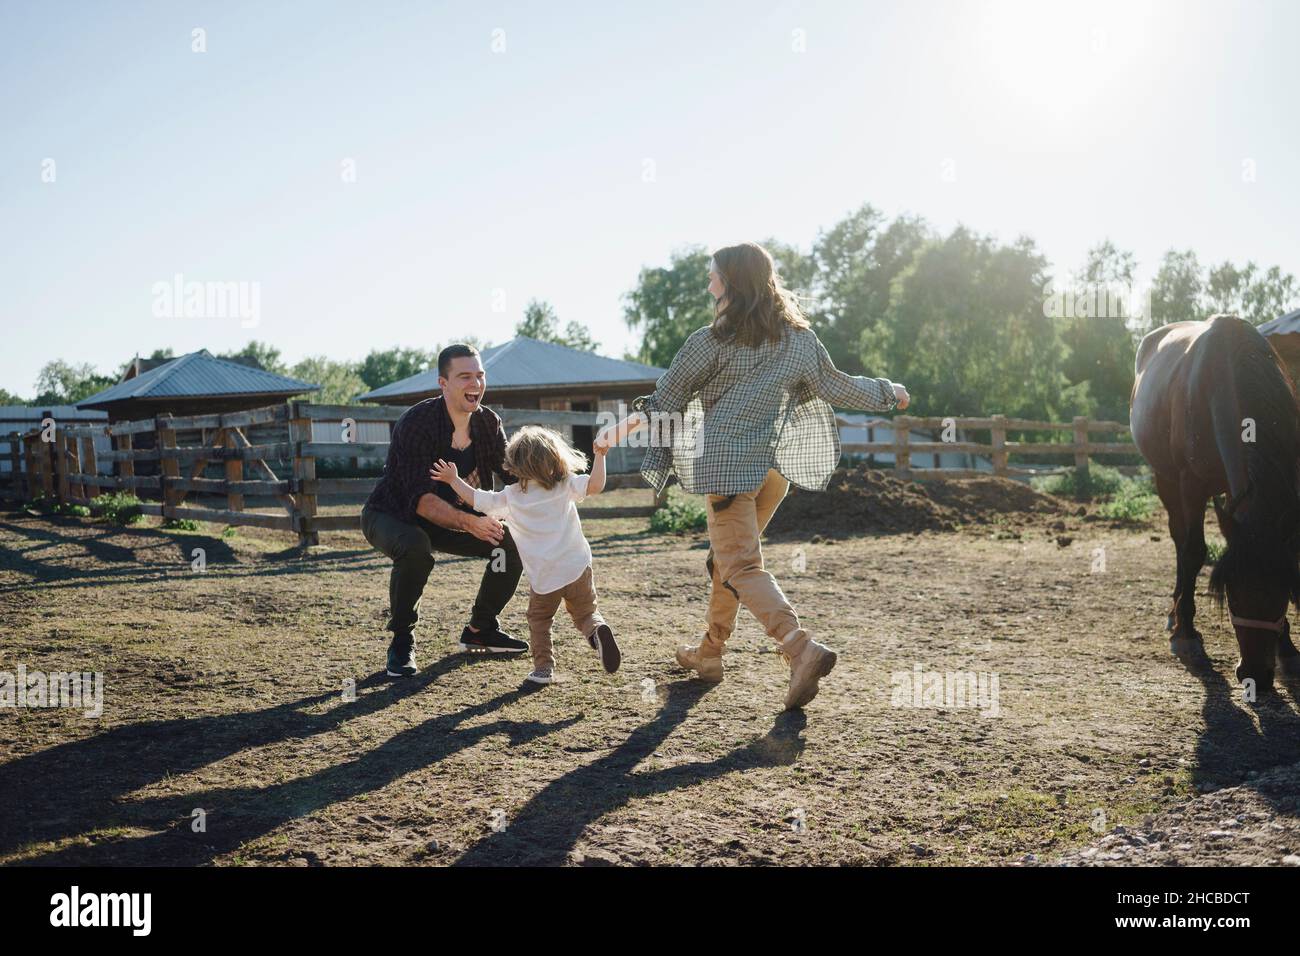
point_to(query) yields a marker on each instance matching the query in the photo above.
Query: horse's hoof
(1263, 683)
(1190, 651)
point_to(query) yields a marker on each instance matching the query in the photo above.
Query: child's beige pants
(579, 597)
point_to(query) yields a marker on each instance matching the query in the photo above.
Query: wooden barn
(1283, 333)
(194, 384)
(528, 373)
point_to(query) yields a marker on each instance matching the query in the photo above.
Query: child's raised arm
(596, 481)
(445, 471)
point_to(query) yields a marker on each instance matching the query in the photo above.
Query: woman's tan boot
(706, 666)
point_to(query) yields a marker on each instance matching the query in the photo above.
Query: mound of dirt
(868, 500)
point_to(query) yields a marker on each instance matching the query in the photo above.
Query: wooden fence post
(29, 460)
(59, 449)
(125, 466)
(304, 469)
(999, 442)
(168, 468)
(1081, 450)
(902, 447)
(234, 472)
(72, 456)
(89, 466)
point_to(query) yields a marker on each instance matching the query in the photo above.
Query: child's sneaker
(606, 648)
(542, 675)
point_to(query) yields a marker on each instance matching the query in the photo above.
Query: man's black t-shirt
(467, 467)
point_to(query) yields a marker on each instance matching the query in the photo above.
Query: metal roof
(34, 413)
(1287, 324)
(199, 374)
(524, 362)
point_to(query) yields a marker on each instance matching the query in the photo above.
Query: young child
(543, 516)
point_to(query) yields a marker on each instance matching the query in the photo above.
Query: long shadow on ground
(81, 786)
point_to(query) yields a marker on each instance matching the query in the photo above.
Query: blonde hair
(539, 454)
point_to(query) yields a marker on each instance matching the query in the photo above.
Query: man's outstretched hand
(900, 393)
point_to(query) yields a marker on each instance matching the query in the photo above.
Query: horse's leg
(1167, 489)
(1288, 658)
(1187, 643)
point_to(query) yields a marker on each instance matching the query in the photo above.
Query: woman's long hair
(755, 307)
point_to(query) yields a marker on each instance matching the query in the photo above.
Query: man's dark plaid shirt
(423, 435)
(747, 409)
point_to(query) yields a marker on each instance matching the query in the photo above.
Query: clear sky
(601, 137)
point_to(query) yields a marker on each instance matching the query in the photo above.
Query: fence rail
(267, 452)
(271, 453)
(997, 449)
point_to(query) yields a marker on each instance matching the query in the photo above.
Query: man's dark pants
(411, 547)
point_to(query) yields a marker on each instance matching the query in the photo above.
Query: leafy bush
(679, 514)
(1214, 548)
(181, 524)
(119, 507)
(229, 532)
(79, 511)
(1135, 500)
(1101, 482)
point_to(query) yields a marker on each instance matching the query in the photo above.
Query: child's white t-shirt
(546, 529)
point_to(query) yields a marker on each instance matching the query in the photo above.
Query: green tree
(857, 261)
(540, 322)
(1177, 291)
(258, 355)
(1254, 294)
(62, 383)
(339, 381)
(383, 367)
(966, 331)
(9, 398)
(668, 304)
(1102, 346)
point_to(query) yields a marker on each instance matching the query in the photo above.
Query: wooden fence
(998, 449)
(265, 452)
(269, 453)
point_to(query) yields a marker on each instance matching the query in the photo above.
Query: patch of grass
(77, 511)
(119, 508)
(1120, 497)
(230, 532)
(679, 514)
(1214, 548)
(180, 524)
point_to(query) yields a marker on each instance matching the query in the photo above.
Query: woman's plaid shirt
(722, 415)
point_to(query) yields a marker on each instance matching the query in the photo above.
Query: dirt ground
(246, 720)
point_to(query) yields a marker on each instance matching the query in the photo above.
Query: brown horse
(1214, 412)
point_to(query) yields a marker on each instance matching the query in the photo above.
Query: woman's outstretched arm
(855, 391)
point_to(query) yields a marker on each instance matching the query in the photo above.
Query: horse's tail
(1256, 424)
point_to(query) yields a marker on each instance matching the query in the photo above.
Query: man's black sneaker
(603, 643)
(401, 656)
(494, 642)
